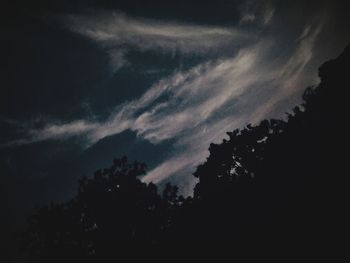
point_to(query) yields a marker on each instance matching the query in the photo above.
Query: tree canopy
(274, 184)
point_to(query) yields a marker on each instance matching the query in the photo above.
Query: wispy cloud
(117, 33)
(197, 106)
(255, 77)
(261, 12)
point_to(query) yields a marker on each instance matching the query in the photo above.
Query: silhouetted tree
(112, 211)
(277, 184)
(281, 179)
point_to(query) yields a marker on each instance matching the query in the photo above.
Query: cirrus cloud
(196, 106)
(117, 33)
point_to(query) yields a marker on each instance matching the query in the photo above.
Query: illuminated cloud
(117, 33)
(196, 106)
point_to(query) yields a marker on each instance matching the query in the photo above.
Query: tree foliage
(274, 184)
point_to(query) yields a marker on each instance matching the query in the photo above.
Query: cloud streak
(197, 106)
(118, 33)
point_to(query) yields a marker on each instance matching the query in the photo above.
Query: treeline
(277, 184)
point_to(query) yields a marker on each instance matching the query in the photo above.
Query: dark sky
(85, 81)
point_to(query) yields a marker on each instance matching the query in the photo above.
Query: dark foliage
(278, 184)
(112, 211)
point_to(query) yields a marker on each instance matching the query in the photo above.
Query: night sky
(85, 81)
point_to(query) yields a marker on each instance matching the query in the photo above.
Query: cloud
(298, 71)
(260, 12)
(117, 33)
(268, 14)
(118, 59)
(287, 78)
(248, 17)
(55, 131)
(196, 106)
